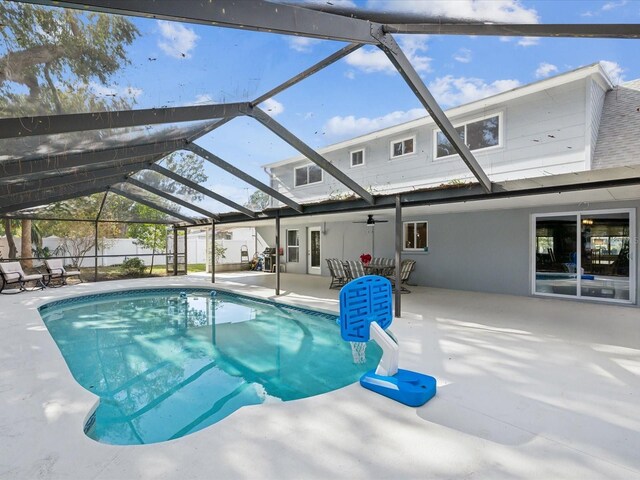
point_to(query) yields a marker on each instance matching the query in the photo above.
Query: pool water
(165, 366)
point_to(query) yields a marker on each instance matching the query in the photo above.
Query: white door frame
(314, 270)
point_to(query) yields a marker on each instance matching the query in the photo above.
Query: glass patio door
(313, 253)
(585, 255)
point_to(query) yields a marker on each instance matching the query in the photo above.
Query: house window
(307, 175)
(357, 158)
(403, 147)
(416, 236)
(224, 235)
(479, 134)
(293, 246)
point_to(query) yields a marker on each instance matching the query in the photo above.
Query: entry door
(313, 251)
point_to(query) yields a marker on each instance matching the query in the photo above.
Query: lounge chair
(11, 272)
(338, 275)
(355, 269)
(56, 271)
(406, 268)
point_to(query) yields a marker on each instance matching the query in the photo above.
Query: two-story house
(578, 244)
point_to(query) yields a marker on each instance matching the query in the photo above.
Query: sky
(184, 64)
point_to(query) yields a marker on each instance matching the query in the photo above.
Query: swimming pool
(165, 366)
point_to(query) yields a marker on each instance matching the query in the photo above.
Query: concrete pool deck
(528, 388)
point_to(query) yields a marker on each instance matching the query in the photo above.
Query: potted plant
(365, 258)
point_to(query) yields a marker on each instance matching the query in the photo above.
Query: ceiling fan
(370, 222)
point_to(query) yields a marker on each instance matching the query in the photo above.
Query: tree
(185, 164)
(13, 251)
(55, 53)
(220, 252)
(77, 237)
(149, 235)
(26, 245)
(258, 200)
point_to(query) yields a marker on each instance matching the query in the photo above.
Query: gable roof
(594, 70)
(618, 141)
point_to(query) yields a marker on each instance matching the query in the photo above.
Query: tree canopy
(258, 200)
(55, 54)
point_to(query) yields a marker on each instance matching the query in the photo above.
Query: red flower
(365, 258)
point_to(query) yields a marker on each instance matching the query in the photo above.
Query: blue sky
(179, 64)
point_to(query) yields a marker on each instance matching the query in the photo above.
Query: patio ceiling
(27, 179)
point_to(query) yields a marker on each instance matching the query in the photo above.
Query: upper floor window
(416, 236)
(402, 147)
(477, 135)
(357, 158)
(307, 175)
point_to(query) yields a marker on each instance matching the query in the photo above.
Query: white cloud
(450, 90)
(302, 44)
(522, 41)
(528, 41)
(338, 3)
(370, 60)
(177, 40)
(373, 60)
(463, 55)
(272, 107)
(350, 74)
(612, 5)
(203, 99)
(614, 70)
(545, 69)
(511, 11)
(115, 91)
(351, 126)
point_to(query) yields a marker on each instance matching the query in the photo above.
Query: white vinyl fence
(198, 250)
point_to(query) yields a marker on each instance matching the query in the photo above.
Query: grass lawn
(115, 273)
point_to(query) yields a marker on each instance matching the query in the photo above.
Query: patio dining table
(378, 269)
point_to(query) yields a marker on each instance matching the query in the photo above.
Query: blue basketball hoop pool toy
(365, 313)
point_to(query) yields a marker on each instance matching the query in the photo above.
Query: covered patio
(528, 387)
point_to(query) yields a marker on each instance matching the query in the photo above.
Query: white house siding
(486, 251)
(543, 133)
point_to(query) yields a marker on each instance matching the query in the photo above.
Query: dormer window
(405, 146)
(478, 135)
(307, 175)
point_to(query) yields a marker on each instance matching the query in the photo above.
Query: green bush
(132, 266)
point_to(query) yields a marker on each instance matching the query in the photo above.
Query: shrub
(132, 266)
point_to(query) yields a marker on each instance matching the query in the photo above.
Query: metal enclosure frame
(25, 185)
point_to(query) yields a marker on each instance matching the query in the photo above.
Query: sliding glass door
(585, 254)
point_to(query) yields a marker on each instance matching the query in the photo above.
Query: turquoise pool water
(165, 366)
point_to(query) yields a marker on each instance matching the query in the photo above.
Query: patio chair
(338, 275)
(355, 269)
(406, 268)
(375, 261)
(388, 265)
(56, 271)
(11, 272)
